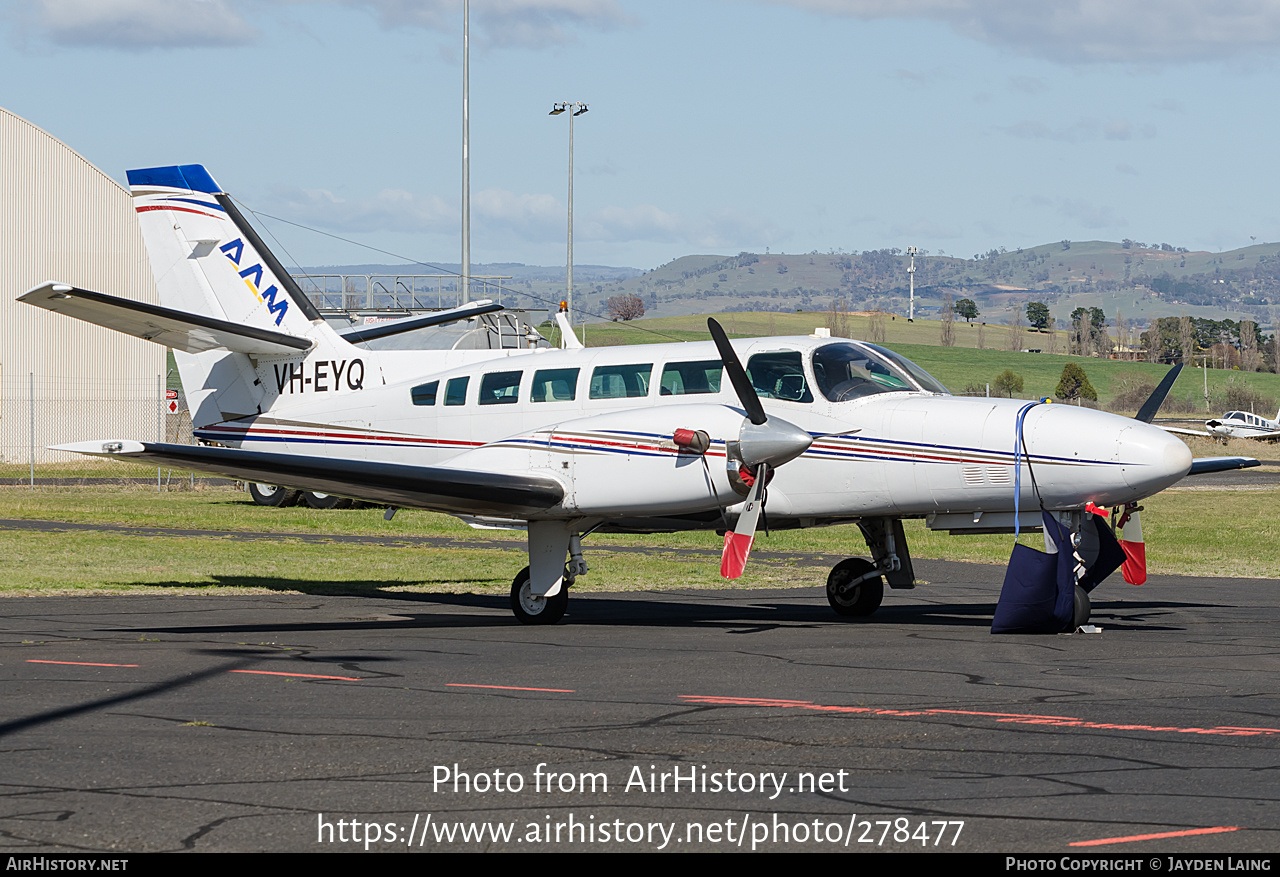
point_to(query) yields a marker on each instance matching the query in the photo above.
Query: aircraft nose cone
(1153, 459)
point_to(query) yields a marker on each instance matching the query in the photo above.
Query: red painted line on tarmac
(77, 663)
(303, 675)
(1002, 718)
(508, 687)
(1135, 837)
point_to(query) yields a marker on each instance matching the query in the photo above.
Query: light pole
(575, 108)
(911, 275)
(465, 281)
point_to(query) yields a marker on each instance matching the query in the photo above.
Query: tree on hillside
(1007, 384)
(627, 306)
(948, 337)
(1089, 331)
(967, 308)
(1074, 384)
(1038, 315)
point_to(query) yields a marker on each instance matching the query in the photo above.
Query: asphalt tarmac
(710, 720)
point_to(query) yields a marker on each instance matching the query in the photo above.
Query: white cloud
(924, 230)
(1028, 84)
(531, 217)
(641, 223)
(162, 24)
(138, 24)
(1089, 215)
(1075, 31)
(524, 23)
(389, 210)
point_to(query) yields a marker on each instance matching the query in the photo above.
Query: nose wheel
(854, 587)
(532, 609)
(1082, 609)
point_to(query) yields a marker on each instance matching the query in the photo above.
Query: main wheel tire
(1082, 610)
(529, 609)
(270, 495)
(862, 599)
(324, 500)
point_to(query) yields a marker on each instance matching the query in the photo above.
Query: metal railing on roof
(400, 292)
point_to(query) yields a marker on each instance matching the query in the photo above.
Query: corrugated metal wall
(63, 219)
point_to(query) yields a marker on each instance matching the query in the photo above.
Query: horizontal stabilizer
(408, 324)
(180, 330)
(1205, 465)
(393, 484)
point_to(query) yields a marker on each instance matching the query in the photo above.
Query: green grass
(1188, 531)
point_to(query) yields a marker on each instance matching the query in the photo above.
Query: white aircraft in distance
(566, 443)
(1237, 424)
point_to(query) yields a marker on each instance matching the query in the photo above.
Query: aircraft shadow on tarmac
(737, 611)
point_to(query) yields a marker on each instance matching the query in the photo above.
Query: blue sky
(715, 125)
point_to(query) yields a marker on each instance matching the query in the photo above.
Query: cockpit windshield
(851, 371)
(927, 382)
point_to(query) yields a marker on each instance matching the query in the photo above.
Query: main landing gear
(855, 586)
(532, 609)
(540, 593)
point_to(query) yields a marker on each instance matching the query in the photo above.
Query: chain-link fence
(37, 412)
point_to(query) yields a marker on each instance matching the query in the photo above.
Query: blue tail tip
(186, 176)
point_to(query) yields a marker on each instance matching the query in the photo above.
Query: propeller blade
(1152, 405)
(1135, 550)
(737, 542)
(737, 375)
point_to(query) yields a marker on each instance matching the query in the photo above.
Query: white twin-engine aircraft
(1237, 424)
(564, 443)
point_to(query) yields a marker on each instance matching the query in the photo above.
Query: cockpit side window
(684, 378)
(779, 376)
(848, 371)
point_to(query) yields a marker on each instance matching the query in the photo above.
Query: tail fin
(208, 261)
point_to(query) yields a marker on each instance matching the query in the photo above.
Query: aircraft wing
(1205, 465)
(438, 488)
(1179, 431)
(180, 330)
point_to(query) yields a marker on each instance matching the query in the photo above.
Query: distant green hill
(1136, 282)
(1127, 279)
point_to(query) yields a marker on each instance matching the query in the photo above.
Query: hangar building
(63, 219)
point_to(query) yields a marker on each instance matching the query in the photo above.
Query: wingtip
(102, 447)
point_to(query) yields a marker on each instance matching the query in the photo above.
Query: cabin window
(554, 385)
(500, 388)
(425, 394)
(779, 376)
(455, 392)
(687, 378)
(621, 381)
(851, 371)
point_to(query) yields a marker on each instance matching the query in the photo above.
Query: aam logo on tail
(253, 279)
